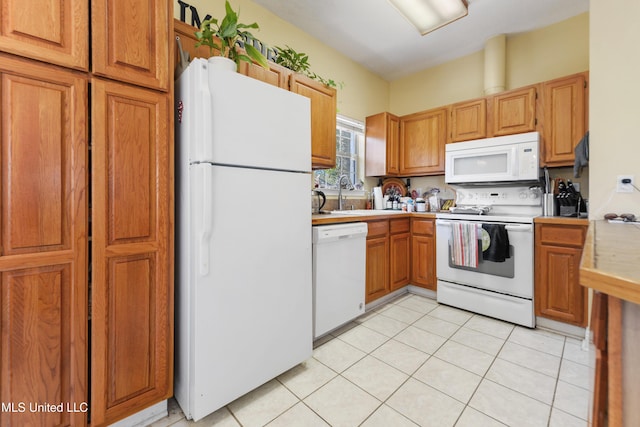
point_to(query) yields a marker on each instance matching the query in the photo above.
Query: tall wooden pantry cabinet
(86, 210)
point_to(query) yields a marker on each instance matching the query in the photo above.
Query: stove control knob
(533, 195)
(523, 195)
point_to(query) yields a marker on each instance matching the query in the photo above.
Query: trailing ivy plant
(298, 62)
(224, 36)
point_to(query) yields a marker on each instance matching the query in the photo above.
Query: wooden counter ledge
(611, 260)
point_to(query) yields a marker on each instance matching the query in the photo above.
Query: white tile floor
(413, 362)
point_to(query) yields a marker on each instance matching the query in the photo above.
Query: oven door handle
(508, 227)
(519, 227)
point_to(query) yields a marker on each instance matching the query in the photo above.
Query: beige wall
(363, 92)
(614, 106)
(553, 51)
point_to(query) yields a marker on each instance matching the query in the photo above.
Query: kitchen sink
(366, 212)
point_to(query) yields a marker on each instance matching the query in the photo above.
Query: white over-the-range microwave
(511, 158)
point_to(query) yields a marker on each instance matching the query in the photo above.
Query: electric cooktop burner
(513, 203)
(471, 210)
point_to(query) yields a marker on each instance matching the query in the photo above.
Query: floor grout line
(468, 324)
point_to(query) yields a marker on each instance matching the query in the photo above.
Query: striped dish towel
(464, 245)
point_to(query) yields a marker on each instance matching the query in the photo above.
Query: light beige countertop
(611, 259)
(365, 215)
(560, 220)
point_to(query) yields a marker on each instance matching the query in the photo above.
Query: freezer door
(245, 121)
(252, 293)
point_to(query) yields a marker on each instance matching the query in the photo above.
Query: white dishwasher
(339, 270)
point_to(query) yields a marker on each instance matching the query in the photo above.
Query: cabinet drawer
(401, 225)
(377, 228)
(561, 235)
(422, 226)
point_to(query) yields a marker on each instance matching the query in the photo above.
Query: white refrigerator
(243, 235)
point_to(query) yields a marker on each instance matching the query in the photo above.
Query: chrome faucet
(340, 184)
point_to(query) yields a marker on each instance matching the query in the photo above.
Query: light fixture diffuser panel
(429, 15)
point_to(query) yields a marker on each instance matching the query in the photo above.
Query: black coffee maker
(569, 201)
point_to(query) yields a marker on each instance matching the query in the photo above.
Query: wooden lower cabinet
(558, 294)
(377, 273)
(399, 253)
(43, 242)
(423, 253)
(132, 314)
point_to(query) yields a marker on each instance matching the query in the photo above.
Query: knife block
(569, 204)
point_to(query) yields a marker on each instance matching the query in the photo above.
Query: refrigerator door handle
(204, 147)
(207, 221)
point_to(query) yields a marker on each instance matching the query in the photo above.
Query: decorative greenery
(229, 31)
(299, 62)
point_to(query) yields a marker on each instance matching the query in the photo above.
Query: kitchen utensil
(378, 201)
(394, 184)
(321, 199)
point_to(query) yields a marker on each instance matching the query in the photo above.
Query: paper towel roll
(378, 202)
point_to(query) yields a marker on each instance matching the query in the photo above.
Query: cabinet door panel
(560, 297)
(382, 145)
(514, 112)
(469, 120)
(39, 359)
(400, 262)
(275, 75)
(423, 262)
(132, 297)
(323, 119)
(422, 140)
(54, 31)
(43, 258)
(131, 352)
(377, 276)
(139, 56)
(564, 119)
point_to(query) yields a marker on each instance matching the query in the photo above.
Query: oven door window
(503, 269)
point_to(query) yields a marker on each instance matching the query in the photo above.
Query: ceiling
(374, 34)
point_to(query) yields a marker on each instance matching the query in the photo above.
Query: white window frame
(345, 123)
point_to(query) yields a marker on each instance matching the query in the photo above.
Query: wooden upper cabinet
(132, 311)
(422, 140)
(564, 118)
(43, 252)
(188, 41)
(514, 111)
(131, 41)
(275, 75)
(382, 148)
(469, 120)
(54, 31)
(323, 119)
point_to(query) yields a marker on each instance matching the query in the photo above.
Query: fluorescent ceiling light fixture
(429, 15)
